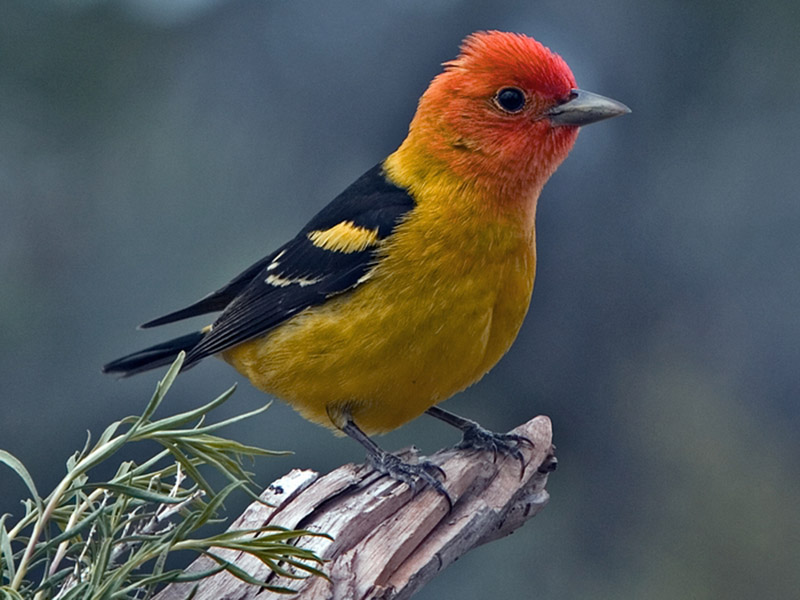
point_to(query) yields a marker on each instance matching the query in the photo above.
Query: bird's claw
(550, 462)
(504, 444)
(424, 472)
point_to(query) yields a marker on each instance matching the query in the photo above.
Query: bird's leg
(477, 438)
(395, 467)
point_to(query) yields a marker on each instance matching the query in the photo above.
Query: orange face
(485, 115)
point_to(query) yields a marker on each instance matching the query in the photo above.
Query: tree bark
(387, 542)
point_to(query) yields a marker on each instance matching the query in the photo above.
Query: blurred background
(151, 150)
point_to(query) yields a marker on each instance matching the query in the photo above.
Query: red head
(490, 118)
(486, 114)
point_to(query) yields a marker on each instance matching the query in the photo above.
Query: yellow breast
(440, 309)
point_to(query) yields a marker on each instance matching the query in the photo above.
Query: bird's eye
(510, 99)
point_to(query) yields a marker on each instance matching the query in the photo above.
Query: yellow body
(453, 281)
(443, 304)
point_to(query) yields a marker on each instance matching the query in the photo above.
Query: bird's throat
(509, 199)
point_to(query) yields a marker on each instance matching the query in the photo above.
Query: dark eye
(510, 99)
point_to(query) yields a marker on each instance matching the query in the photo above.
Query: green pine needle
(110, 539)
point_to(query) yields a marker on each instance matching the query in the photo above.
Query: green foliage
(111, 540)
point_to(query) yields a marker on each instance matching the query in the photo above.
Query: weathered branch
(386, 541)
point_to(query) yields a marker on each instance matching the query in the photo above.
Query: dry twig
(386, 542)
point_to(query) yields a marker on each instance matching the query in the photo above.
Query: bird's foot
(504, 444)
(424, 472)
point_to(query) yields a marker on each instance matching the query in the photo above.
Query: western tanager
(413, 282)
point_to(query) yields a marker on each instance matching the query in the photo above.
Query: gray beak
(585, 107)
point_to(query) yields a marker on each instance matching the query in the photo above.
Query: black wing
(331, 254)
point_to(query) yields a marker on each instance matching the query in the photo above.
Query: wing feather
(329, 256)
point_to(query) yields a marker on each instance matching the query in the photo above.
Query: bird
(412, 283)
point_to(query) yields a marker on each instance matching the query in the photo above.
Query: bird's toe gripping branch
(395, 467)
(410, 473)
(478, 438)
(504, 444)
(550, 463)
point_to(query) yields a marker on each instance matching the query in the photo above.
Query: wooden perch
(387, 541)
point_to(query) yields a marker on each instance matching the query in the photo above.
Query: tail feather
(154, 356)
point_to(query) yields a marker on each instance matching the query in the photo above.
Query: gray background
(151, 150)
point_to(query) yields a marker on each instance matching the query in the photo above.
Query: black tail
(154, 356)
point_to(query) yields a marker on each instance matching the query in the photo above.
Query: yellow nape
(344, 237)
